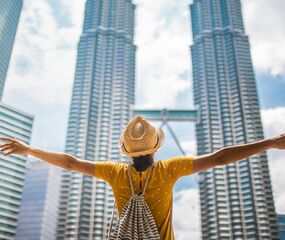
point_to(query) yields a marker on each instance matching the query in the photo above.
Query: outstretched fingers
(6, 148)
(5, 145)
(8, 153)
(8, 139)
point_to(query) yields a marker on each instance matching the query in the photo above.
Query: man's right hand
(60, 159)
(14, 146)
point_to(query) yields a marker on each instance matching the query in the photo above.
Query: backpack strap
(147, 179)
(130, 179)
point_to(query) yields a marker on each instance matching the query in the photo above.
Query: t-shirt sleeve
(106, 170)
(177, 167)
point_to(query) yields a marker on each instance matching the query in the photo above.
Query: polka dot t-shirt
(159, 189)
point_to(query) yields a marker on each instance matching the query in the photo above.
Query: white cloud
(42, 68)
(186, 215)
(273, 120)
(163, 59)
(264, 23)
(189, 146)
(48, 51)
(274, 124)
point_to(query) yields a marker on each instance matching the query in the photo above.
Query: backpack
(136, 221)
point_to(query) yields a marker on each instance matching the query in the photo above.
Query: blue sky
(42, 67)
(271, 90)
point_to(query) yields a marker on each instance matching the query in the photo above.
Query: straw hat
(140, 138)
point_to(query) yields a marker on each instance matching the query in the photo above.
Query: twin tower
(236, 200)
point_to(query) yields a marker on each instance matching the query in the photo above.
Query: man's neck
(142, 165)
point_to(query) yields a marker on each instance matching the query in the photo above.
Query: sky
(42, 70)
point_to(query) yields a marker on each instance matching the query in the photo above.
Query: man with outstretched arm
(140, 140)
(222, 156)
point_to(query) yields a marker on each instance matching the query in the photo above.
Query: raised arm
(60, 159)
(234, 153)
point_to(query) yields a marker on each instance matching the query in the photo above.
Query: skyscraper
(13, 123)
(39, 204)
(236, 199)
(103, 91)
(10, 11)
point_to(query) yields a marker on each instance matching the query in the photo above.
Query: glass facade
(10, 11)
(103, 91)
(39, 205)
(236, 199)
(13, 123)
(281, 223)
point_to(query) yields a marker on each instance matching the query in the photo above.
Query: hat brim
(161, 139)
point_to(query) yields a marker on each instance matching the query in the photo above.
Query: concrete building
(10, 11)
(103, 91)
(39, 205)
(236, 199)
(13, 123)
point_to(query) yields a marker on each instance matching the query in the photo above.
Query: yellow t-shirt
(159, 189)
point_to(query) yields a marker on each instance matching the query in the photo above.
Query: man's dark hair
(141, 163)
